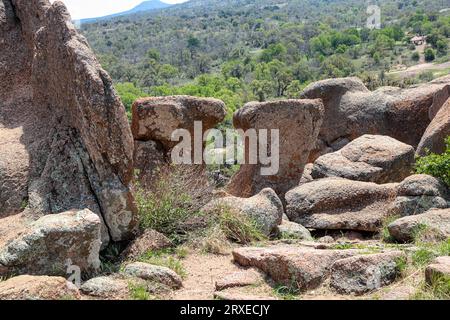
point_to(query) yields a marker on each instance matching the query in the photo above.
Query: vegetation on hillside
(242, 50)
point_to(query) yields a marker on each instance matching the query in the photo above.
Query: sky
(81, 9)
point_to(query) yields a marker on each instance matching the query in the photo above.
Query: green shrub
(176, 197)
(430, 54)
(139, 292)
(428, 251)
(168, 258)
(439, 289)
(236, 226)
(436, 165)
(384, 233)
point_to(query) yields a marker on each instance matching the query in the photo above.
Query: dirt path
(202, 272)
(417, 69)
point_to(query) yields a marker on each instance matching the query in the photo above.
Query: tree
(193, 44)
(442, 47)
(261, 89)
(294, 89)
(415, 56)
(281, 75)
(430, 54)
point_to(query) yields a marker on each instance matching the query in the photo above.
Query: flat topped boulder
(340, 204)
(304, 268)
(38, 288)
(156, 118)
(370, 158)
(298, 123)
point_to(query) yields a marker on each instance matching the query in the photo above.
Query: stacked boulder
(298, 123)
(154, 121)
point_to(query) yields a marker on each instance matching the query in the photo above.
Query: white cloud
(80, 9)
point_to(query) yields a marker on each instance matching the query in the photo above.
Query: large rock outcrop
(369, 158)
(65, 140)
(298, 122)
(351, 110)
(340, 204)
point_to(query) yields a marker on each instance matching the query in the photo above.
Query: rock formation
(434, 223)
(369, 158)
(265, 208)
(434, 137)
(298, 267)
(53, 243)
(351, 110)
(340, 204)
(155, 119)
(298, 122)
(60, 113)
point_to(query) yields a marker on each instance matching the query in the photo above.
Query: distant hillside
(145, 6)
(243, 50)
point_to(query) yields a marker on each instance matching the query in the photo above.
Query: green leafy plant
(170, 258)
(384, 233)
(436, 165)
(139, 292)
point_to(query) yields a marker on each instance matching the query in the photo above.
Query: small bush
(236, 226)
(215, 241)
(430, 54)
(139, 292)
(168, 258)
(402, 265)
(436, 165)
(439, 289)
(176, 197)
(384, 233)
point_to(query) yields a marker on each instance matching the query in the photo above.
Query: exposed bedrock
(65, 139)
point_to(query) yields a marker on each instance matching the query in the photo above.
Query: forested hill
(240, 50)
